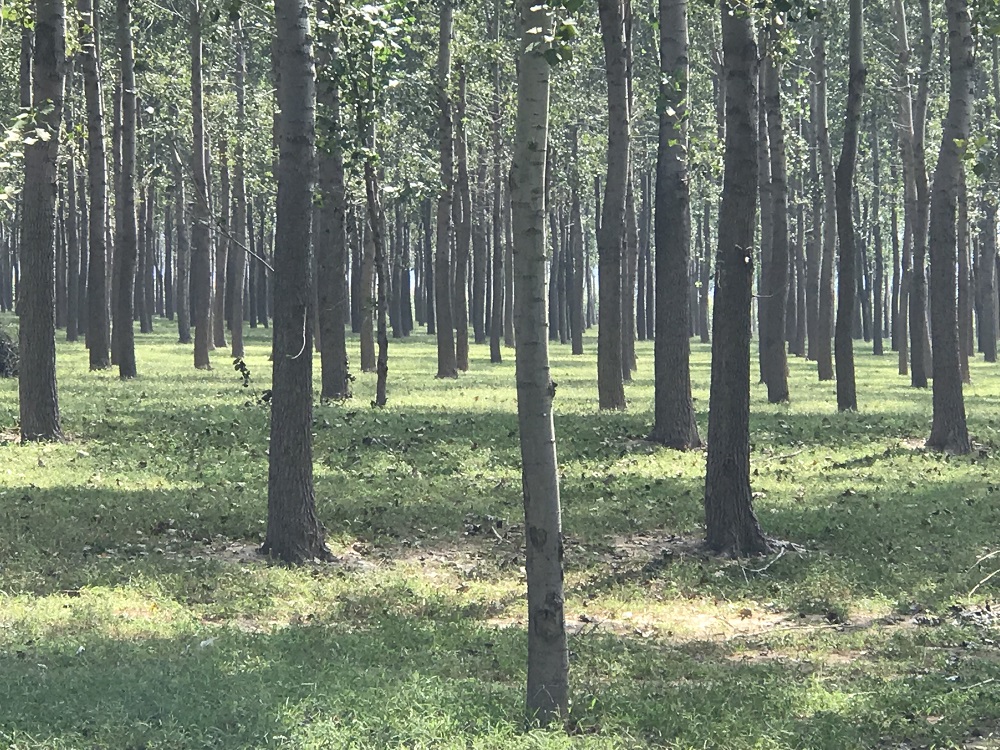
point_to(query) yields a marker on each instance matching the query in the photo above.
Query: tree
(548, 654)
(731, 526)
(201, 216)
(774, 359)
(239, 218)
(331, 247)
(294, 533)
(39, 401)
(824, 354)
(447, 362)
(949, 431)
(611, 234)
(126, 230)
(674, 421)
(98, 325)
(847, 398)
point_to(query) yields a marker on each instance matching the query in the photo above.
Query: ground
(134, 612)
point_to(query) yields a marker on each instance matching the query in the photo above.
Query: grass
(134, 613)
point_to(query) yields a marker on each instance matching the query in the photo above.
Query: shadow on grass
(391, 681)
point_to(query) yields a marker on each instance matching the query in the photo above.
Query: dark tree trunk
(221, 231)
(548, 653)
(774, 359)
(126, 230)
(39, 402)
(201, 253)
(239, 218)
(877, 327)
(824, 335)
(731, 525)
(447, 365)
(72, 226)
(674, 422)
(498, 324)
(949, 431)
(847, 398)
(462, 208)
(183, 256)
(611, 234)
(294, 533)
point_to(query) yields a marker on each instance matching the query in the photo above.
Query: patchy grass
(135, 614)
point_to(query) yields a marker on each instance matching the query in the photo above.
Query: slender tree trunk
(847, 398)
(508, 264)
(877, 328)
(577, 263)
(986, 279)
(367, 294)
(919, 364)
(126, 239)
(331, 262)
(38, 398)
(548, 653)
(294, 533)
(480, 253)
(949, 431)
(239, 218)
(446, 356)
(201, 252)
(731, 525)
(221, 292)
(463, 231)
(611, 235)
(965, 282)
(776, 296)
(183, 256)
(498, 322)
(72, 226)
(824, 334)
(674, 422)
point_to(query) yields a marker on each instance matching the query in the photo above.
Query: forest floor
(135, 613)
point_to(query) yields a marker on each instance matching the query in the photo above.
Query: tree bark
(239, 218)
(201, 252)
(294, 533)
(674, 422)
(548, 653)
(611, 234)
(463, 231)
(776, 292)
(126, 229)
(949, 431)
(331, 265)
(38, 397)
(446, 355)
(731, 525)
(847, 399)
(824, 335)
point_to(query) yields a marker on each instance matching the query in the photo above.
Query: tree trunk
(776, 294)
(847, 399)
(446, 356)
(548, 653)
(611, 235)
(731, 525)
(331, 263)
(463, 232)
(239, 218)
(919, 364)
(824, 335)
(201, 252)
(183, 283)
(986, 279)
(674, 422)
(877, 328)
(367, 294)
(294, 533)
(577, 264)
(965, 282)
(498, 323)
(949, 431)
(38, 399)
(72, 225)
(221, 230)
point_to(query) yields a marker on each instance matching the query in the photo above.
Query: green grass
(134, 614)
